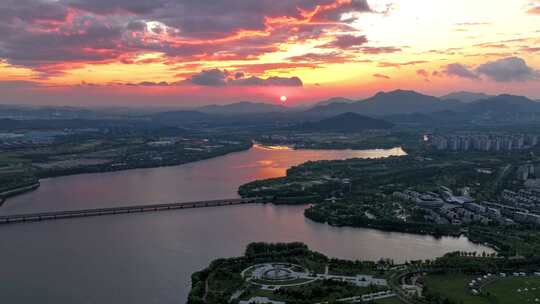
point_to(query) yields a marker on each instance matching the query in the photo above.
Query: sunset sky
(186, 52)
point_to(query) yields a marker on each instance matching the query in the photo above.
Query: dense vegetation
(223, 275)
(359, 193)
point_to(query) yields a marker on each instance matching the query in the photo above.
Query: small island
(288, 273)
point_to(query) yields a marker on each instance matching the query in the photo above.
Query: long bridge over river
(54, 215)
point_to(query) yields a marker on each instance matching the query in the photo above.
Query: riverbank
(17, 191)
(369, 194)
(161, 250)
(126, 166)
(111, 168)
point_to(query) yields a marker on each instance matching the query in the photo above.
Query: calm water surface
(209, 179)
(148, 258)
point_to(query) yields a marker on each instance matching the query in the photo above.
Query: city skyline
(139, 53)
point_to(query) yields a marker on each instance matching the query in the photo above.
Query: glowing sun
(283, 98)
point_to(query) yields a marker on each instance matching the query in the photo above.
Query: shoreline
(98, 170)
(4, 196)
(22, 190)
(17, 191)
(91, 170)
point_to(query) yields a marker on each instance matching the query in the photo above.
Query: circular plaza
(277, 275)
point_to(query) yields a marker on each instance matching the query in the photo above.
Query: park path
(205, 291)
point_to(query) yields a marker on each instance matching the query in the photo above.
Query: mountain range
(399, 107)
(391, 103)
(466, 97)
(343, 123)
(243, 107)
(410, 107)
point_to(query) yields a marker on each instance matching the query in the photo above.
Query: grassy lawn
(10, 159)
(454, 287)
(506, 291)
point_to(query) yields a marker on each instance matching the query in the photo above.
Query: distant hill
(399, 107)
(503, 108)
(333, 100)
(7, 124)
(47, 112)
(411, 119)
(391, 103)
(243, 107)
(344, 123)
(401, 101)
(466, 97)
(181, 117)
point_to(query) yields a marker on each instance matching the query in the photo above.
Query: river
(148, 258)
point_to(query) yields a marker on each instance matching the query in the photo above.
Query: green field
(506, 291)
(453, 287)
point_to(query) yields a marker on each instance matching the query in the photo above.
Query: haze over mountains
(381, 104)
(343, 123)
(399, 107)
(243, 107)
(465, 96)
(333, 100)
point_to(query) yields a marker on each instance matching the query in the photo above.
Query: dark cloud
(502, 70)
(153, 84)
(379, 50)
(220, 18)
(217, 77)
(214, 77)
(117, 6)
(270, 81)
(529, 49)
(259, 68)
(400, 64)
(239, 75)
(508, 69)
(346, 42)
(381, 76)
(136, 26)
(51, 36)
(492, 45)
(20, 11)
(459, 70)
(18, 84)
(321, 58)
(350, 7)
(356, 43)
(422, 73)
(43, 36)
